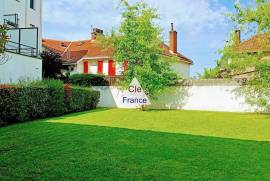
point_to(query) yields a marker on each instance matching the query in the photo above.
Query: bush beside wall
(88, 80)
(25, 103)
(81, 99)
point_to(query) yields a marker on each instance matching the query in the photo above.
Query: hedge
(19, 104)
(82, 100)
(88, 80)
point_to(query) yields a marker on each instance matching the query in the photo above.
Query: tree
(254, 20)
(137, 41)
(3, 38)
(51, 65)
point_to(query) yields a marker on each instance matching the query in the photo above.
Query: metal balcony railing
(23, 41)
(21, 49)
(11, 20)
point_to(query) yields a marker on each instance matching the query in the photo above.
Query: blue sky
(201, 25)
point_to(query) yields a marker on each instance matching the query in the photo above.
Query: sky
(201, 25)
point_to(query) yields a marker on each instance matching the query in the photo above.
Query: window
(32, 4)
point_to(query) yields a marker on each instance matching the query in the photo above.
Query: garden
(123, 144)
(53, 130)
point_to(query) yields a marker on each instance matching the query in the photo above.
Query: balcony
(23, 41)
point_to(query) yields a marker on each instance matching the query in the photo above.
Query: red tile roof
(74, 51)
(168, 52)
(257, 43)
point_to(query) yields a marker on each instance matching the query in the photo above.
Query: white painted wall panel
(206, 98)
(106, 67)
(20, 68)
(93, 67)
(182, 69)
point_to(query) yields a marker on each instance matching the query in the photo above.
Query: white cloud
(80, 14)
(191, 16)
(201, 25)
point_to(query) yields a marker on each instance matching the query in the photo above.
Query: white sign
(136, 94)
(134, 97)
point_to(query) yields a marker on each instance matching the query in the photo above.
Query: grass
(217, 124)
(117, 144)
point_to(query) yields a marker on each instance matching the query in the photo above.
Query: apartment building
(24, 21)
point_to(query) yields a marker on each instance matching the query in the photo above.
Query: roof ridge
(82, 40)
(46, 39)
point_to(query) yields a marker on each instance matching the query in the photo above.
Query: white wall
(207, 98)
(79, 68)
(93, 67)
(20, 67)
(182, 69)
(106, 67)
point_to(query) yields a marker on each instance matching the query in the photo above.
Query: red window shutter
(100, 67)
(85, 68)
(125, 66)
(112, 68)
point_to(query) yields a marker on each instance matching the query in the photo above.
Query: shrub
(88, 80)
(48, 98)
(19, 104)
(82, 99)
(56, 91)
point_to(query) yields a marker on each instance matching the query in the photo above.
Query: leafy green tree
(138, 41)
(256, 20)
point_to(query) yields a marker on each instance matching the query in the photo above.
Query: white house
(21, 60)
(87, 57)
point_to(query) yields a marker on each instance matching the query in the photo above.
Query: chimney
(173, 39)
(237, 37)
(95, 32)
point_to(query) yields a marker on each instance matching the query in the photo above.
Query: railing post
(19, 41)
(37, 48)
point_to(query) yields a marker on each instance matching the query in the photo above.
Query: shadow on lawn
(102, 153)
(87, 112)
(77, 114)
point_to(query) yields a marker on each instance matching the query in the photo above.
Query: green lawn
(119, 144)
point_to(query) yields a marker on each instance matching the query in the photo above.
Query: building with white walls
(21, 60)
(89, 58)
